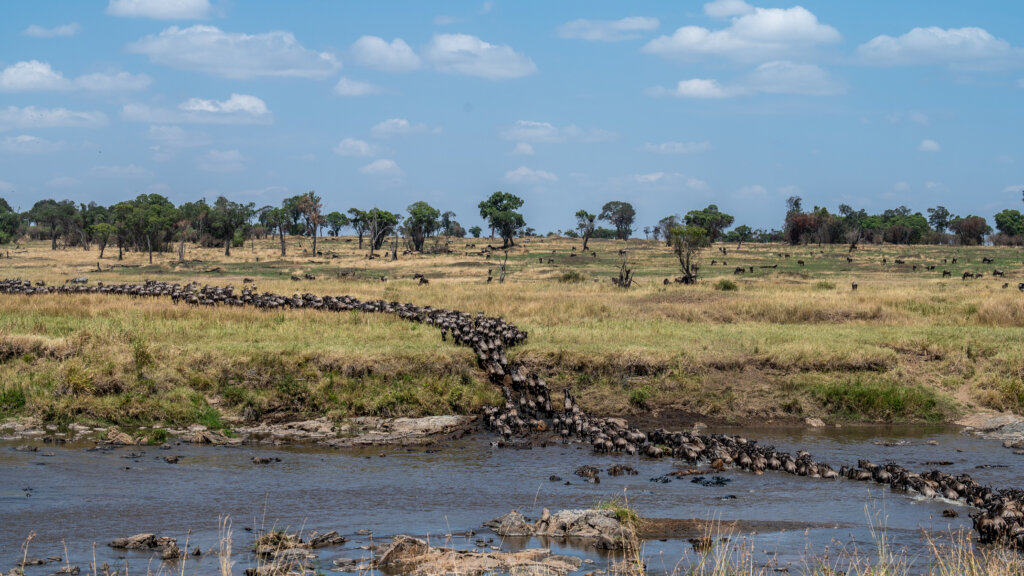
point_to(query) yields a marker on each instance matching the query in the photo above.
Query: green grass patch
(879, 399)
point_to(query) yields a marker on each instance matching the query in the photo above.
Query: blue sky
(668, 105)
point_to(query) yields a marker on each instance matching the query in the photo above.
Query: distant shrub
(824, 285)
(726, 285)
(12, 398)
(571, 277)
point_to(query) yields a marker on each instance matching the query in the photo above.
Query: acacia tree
(379, 225)
(357, 218)
(101, 233)
(276, 219)
(227, 218)
(665, 226)
(687, 242)
(500, 213)
(335, 221)
(422, 222)
(620, 215)
(711, 220)
(970, 230)
(743, 233)
(309, 206)
(585, 225)
(54, 215)
(193, 220)
(475, 231)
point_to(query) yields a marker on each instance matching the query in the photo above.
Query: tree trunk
(280, 233)
(360, 239)
(314, 241)
(227, 245)
(53, 237)
(181, 250)
(586, 238)
(103, 246)
(149, 245)
(120, 251)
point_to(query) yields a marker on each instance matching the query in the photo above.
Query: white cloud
(763, 34)
(36, 76)
(175, 136)
(702, 88)
(26, 144)
(349, 87)
(678, 147)
(32, 76)
(383, 168)
(377, 53)
(243, 103)
(222, 161)
(752, 190)
(443, 20)
(776, 77)
(36, 31)
(727, 8)
(130, 171)
(783, 77)
(397, 127)
(237, 56)
(901, 186)
(674, 179)
(1015, 189)
(918, 118)
(937, 46)
(238, 109)
(6, 186)
(113, 82)
(354, 147)
(63, 182)
(486, 7)
(533, 131)
(522, 149)
(526, 175)
(471, 56)
(1020, 83)
(32, 117)
(607, 30)
(929, 146)
(160, 9)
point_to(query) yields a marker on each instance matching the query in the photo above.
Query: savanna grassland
(779, 344)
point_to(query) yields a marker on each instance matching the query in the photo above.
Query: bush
(726, 285)
(571, 277)
(823, 285)
(12, 398)
(639, 396)
(157, 437)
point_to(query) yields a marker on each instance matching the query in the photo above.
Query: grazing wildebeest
(946, 273)
(739, 270)
(986, 260)
(853, 286)
(849, 260)
(800, 262)
(1006, 285)
(997, 272)
(954, 260)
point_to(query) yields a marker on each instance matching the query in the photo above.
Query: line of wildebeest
(529, 414)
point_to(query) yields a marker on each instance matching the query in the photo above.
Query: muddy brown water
(80, 496)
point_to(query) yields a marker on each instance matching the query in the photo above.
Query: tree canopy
(500, 213)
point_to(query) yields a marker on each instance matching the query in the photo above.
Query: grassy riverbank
(780, 343)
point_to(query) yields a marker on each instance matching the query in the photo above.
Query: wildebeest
(946, 273)
(997, 272)
(853, 286)
(739, 270)
(986, 260)
(800, 262)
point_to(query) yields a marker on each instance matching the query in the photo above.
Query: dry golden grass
(788, 342)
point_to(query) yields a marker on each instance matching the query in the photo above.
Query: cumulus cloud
(607, 30)
(63, 182)
(383, 168)
(752, 190)
(524, 175)
(160, 9)
(36, 31)
(36, 76)
(776, 77)
(929, 146)
(175, 136)
(238, 109)
(678, 147)
(471, 56)
(32, 117)
(221, 161)
(398, 127)
(379, 54)
(760, 34)
(349, 87)
(673, 179)
(131, 171)
(209, 50)
(522, 149)
(727, 8)
(533, 131)
(355, 147)
(26, 144)
(935, 45)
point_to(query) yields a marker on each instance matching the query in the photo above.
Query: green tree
(357, 218)
(970, 230)
(939, 218)
(335, 222)
(585, 225)
(742, 233)
(687, 242)
(54, 215)
(102, 233)
(475, 231)
(500, 213)
(227, 218)
(310, 206)
(10, 221)
(1010, 222)
(621, 215)
(711, 220)
(421, 224)
(276, 219)
(379, 225)
(664, 228)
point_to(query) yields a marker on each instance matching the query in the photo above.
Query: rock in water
(400, 554)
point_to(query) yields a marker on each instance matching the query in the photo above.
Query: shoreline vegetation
(786, 343)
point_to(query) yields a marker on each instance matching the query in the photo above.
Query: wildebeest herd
(528, 412)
